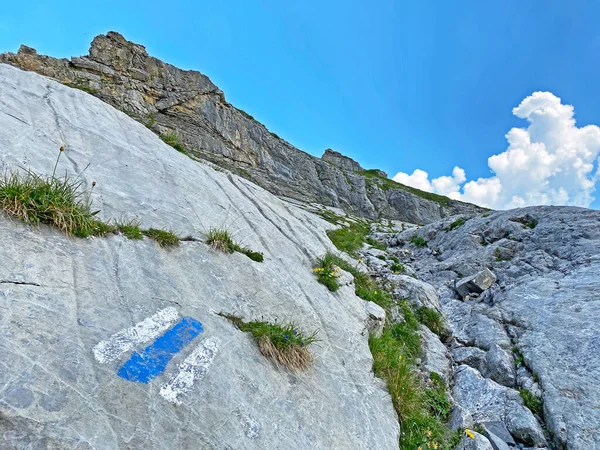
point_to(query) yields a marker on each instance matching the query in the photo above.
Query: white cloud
(552, 161)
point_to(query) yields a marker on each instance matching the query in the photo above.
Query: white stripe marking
(144, 331)
(193, 368)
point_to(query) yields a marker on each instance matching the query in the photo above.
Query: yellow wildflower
(469, 433)
(427, 432)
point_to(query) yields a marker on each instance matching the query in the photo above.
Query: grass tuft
(418, 241)
(397, 268)
(283, 343)
(220, 239)
(172, 138)
(131, 229)
(162, 237)
(532, 402)
(456, 224)
(433, 320)
(59, 202)
(327, 271)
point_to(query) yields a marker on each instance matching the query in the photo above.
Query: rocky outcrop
(343, 162)
(73, 310)
(166, 98)
(534, 329)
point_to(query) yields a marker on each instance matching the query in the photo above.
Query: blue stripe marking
(144, 366)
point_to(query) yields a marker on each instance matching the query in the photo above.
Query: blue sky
(397, 85)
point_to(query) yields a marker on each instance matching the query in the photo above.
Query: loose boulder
(476, 284)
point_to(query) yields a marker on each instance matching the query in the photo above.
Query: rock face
(73, 310)
(166, 98)
(343, 162)
(544, 304)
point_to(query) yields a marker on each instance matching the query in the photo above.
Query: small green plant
(220, 239)
(381, 257)
(375, 243)
(327, 272)
(456, 224)
(151, 121)
(518, 356)
(437, 398)
(418, 241)
(254, 256)
(397, 268)
(500, 255)
(131, 229)
(283, 343)
(532, 402)
(80, 84)
(172, 138)
(331, 217)
(531, 223)
(162, 237)
(433, 320)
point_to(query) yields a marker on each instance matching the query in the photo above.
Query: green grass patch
(220, 239)
(375, 243)
(351, 238)
(532, 402)
(532, 223)
(433, 320)
(456, 224)
(396, 267)
(327, 271)
(331, 217)
(130, 229)
(162, 237)
(437, 397)
(518, 356)
(151, 121)
(284, 343)
(364, 286)
(55, 201)
(82, 86)
(172, 138)
(418, 241)
(421, 408)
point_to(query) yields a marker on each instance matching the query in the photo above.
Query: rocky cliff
(187, 103)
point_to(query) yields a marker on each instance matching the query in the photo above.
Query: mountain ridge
(187, 104)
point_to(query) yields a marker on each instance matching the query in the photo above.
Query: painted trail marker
(126, 340)
(169, 338)
(193, 368)
(144, 366)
